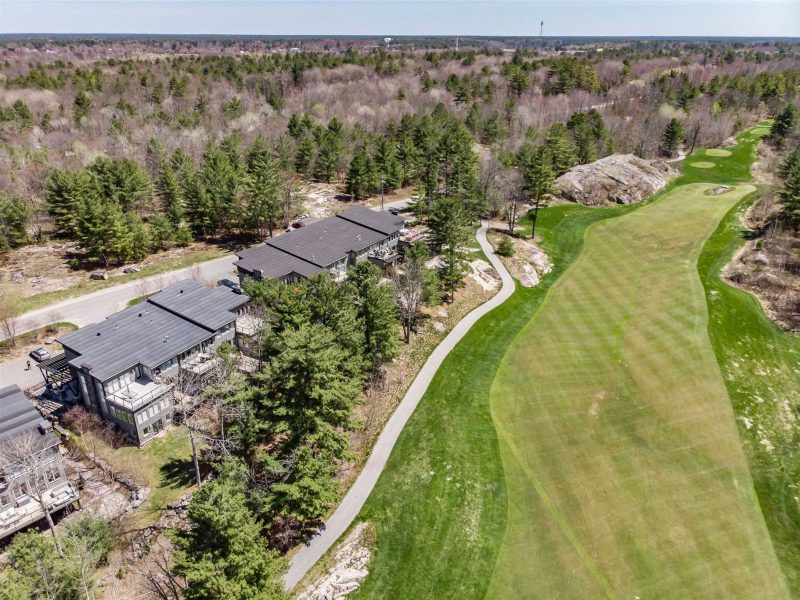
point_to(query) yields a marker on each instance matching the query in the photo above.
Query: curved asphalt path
(348, 510)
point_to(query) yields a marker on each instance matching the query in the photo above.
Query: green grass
(761, 367)
(624, 471)
(647, 492)
(439, 507)
(164, 465)
(91, 285)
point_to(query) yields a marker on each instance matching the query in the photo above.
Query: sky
(760, 18)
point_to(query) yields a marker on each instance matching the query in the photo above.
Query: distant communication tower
(541, 30)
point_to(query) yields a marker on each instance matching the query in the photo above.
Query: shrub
(505, 247)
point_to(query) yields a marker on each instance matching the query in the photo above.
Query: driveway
(348, 510)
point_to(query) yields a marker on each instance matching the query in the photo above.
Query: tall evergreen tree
(223, 553)
(362, 175)
(170, 194)
(124, 182)
(262, 188)
(538, 172)
(65, 191)
(785, 123)
(377, 313)
(304, 158)
(561, 147)
(790, 197)
(672, 137)
(449, 233)
(309, 390)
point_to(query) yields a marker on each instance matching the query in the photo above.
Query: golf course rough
(624, 471)
(579, 442)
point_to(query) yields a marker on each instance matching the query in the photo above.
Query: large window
(120, 382)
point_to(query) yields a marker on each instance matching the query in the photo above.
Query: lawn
(618, 470)
(624, 471)
(164, 465)
(761, 367)
(440, 507)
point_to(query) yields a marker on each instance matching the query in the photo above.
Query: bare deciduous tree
(9, 320)
(26, 459)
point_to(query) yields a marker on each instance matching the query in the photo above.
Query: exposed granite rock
(619, 178)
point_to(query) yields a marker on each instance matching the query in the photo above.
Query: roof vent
(180, 291)
(166, 337)
(98, 334)
(140, 314)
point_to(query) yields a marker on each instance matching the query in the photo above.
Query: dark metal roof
(211, 308)
(327, 241)
(18, 415)
(381, 221)
(271, 263)
(143, 333)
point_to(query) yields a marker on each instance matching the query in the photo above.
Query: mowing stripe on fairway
(624, 471)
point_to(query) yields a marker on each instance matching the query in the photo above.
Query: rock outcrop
(619, 179)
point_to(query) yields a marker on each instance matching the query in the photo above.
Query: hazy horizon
(573, 18)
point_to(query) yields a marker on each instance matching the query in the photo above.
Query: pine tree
(362, 175)
(124, 182)
(785, 123)
(169, 192)
(309, 389)
(672, 138)
(65, 191)
(448, 224)
(790, 197)
(81, 106)
(304, 159)
(221, 183)
(223, 553)
(561, 147)
(387, 165)
(538, 172)
(329, 156)
(14, 217)
(101, 230)
(377, 313)
(262, 187)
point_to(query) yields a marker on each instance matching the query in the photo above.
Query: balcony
(27, 510)
(139, 393)
(388, 255)
(248, 325)
(201, 363)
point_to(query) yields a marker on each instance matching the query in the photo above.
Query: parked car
(132, 269)
(39, 354)
(99, 275)
(231, 284)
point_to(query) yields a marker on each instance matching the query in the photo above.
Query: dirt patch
(529, 264)
(322, 199)
(36, 269)
(719, 190)
(44, 337)
(349, 567)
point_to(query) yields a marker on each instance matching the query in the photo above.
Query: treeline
(783, 133)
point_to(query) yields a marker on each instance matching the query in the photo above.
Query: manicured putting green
(702, 165)
(625, 475)
(718, 152)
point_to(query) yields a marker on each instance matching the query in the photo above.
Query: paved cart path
(347, 511)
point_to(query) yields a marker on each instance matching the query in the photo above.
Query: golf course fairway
(580, 441)
(624, 471)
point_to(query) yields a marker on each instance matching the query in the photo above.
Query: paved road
(360, 490)
(96, 306)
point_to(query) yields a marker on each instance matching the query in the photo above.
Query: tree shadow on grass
(179, 472)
